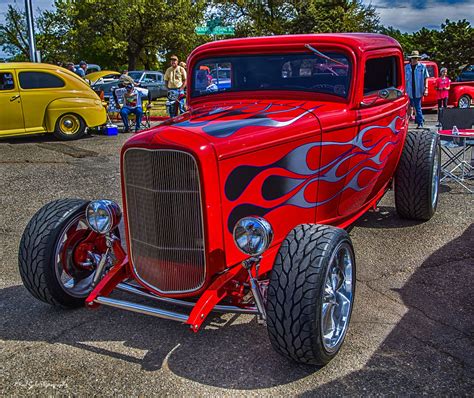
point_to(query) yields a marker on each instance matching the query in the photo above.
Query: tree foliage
(451, 46)
(278, 17)
(142, 33)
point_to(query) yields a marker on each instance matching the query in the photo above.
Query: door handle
(14, 97)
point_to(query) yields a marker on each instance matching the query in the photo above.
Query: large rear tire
(311, 293)
(46, 263)
(417, 176)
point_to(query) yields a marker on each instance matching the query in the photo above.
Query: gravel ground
(411, 330)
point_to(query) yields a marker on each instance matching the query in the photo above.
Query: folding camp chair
(457, 142)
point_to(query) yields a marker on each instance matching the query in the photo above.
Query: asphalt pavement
(411, 330)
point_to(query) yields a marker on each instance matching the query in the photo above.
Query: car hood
(94, 76)
(233, 127)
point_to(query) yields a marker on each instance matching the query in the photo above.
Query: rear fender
(90, 110)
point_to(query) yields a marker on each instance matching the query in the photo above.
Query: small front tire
(311, 294)
(45, 262)
(69, 127)
(464, 102)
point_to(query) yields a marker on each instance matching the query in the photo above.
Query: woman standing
(442, 85)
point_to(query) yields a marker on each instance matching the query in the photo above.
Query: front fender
(89, 109)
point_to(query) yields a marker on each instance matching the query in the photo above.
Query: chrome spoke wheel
(464, 102)
(75, 280)
(337, 297)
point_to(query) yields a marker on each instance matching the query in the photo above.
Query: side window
(33, 80)
(381, 73)
(6, 81)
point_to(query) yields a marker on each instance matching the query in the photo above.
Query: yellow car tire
(69, 127)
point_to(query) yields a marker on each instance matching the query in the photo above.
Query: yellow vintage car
(42, 98)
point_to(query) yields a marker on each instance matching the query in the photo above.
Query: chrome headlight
(253, 235)
(103, 215)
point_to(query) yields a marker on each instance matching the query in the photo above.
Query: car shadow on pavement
(427, 351)
(383, 217)
(231, 351)
(40, 138)
(430, 350)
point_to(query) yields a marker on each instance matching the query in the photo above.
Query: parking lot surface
(411, 329)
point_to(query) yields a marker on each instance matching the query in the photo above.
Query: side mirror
(390, 93)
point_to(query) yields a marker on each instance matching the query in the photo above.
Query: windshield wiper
(321, 55)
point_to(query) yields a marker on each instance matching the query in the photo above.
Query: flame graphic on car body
(374, 159)
(225, 128)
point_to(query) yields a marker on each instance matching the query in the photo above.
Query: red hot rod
(242, 204)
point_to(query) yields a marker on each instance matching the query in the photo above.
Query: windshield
(300, 72)
(135, 75)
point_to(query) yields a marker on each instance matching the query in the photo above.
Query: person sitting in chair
(131, 103)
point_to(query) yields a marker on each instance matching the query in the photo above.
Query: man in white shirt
(131, 99)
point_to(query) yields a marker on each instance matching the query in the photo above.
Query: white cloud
(409, 19)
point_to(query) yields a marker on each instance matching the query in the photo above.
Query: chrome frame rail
(141, 309)
(218, 308)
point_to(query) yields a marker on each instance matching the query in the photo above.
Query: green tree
(255, 18)
(134, 33)
(455, 45)
(13, 34)
(451, 46)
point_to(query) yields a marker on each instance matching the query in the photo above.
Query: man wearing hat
(416, 84)
(175, 78)
(131, 99)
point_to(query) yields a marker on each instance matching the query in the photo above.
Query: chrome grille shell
(165, 219)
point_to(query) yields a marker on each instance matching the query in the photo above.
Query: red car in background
(243, 203)
(461, 94)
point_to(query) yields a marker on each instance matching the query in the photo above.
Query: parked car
(460, 93)
(151, 80)
(242, 204)
(42, 98)
(467, 74)
(90, 68)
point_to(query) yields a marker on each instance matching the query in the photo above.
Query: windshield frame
(227, 58)
(139, 74)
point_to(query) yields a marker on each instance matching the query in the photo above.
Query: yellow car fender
(90, 110)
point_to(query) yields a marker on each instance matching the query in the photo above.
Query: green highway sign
(217, 30)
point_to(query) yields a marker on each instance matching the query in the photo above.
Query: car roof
(27, 65)
(359, 42)
(145, 71)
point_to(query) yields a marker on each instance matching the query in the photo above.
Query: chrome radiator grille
(165, 223)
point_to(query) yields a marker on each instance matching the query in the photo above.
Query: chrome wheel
(337, 297)
(69, 124)
(464, 102)
(435, 180)
(75, 279)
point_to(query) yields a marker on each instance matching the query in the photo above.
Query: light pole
(31, 30)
